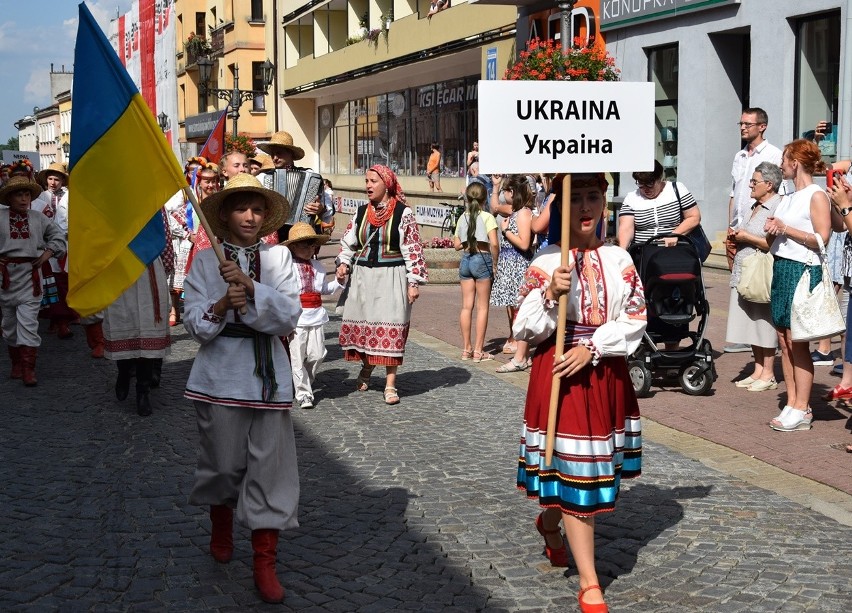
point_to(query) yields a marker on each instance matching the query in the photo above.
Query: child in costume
(27, 240)
(240, 380)
(307, 346)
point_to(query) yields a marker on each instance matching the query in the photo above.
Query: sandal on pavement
(391, 397)
(558, 556)
(745, 382)
(761, 385)
(511, 366)
(363, 381)
(795, 419)
(466, 354)
(482, 356)
(510, 347)
(839, 393)
(591, 608)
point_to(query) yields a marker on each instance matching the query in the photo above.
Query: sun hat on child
(277, 206)
(16, 184)
(302, 231)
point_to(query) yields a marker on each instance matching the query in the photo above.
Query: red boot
(28, 360)
(17, 365)
(222, 535)
(95, 338)
(265, 543)
(62, 329)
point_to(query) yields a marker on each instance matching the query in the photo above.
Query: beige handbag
(756, 277)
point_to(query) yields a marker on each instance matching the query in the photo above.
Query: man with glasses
(752, 125)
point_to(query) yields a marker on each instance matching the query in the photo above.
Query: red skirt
(598, 436)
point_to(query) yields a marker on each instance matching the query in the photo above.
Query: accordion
(299, 187)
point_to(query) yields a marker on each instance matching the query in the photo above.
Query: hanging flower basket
(544, 60)
(242, 142)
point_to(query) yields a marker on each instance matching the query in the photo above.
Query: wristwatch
(845, 211)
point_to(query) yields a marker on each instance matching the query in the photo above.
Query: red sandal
(599, 607)
(559, 556)
(839, 393)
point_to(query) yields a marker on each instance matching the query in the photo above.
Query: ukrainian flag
(123, 171)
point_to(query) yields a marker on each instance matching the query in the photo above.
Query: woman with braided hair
(476, 234)
(381, 251)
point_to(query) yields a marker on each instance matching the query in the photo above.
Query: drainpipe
(278, 67)
(844, 139)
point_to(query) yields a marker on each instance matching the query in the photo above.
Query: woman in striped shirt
(656, 207)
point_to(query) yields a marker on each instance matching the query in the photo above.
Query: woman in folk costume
(207, 180)
(53, 203)
(598, 433)
(27, 240)
(182, 237)
(136, 330)
(307, 346)
(381, 250)
(240, 379)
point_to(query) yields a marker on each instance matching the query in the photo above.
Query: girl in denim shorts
(476, 234)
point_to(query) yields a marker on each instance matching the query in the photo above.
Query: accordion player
(301, 186)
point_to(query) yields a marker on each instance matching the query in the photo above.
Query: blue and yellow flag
(122, 170)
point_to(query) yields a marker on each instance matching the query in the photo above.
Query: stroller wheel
(696, 379)
(640, 377)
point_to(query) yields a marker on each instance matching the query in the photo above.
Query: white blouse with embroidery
(605, 292)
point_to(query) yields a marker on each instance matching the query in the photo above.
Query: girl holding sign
(598, 433)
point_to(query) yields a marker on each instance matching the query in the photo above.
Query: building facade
(709, 60)
(377, 81)
(238, 37)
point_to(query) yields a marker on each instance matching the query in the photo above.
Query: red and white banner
(145, 41)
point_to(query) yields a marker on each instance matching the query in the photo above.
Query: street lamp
(66, 149)
(236, 96)
(566, 7)
(164, 121)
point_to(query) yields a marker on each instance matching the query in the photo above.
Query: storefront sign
(565, 126)
(200, 126)
(350, 205)
(620, 13)
(430, 215)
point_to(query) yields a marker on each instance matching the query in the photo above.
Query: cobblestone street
(406, 508)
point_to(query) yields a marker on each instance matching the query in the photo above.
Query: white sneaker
(796, 419)
(307, 403)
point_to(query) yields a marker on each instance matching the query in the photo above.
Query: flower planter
(443, 265)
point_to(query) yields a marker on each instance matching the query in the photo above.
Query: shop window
(818, 78)
(663, 73)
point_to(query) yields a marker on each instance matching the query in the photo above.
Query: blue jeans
(476, 266)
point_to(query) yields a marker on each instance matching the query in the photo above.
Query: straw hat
(17, 184)
(302, 231)
(277, 207)
(264, 160)
(282, 140)
(56, 168)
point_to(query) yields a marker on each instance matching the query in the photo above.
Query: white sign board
(10, 157)
(565, 126)
(430, 215)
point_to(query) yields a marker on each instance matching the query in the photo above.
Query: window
(818, 78)
(256, 10)
(397, 128)
(259, 100)
(663, 73)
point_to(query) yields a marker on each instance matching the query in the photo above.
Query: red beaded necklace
(378, 218)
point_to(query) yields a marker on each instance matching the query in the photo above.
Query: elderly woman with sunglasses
(656, 207)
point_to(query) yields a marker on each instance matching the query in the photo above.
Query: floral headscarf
(391, 182)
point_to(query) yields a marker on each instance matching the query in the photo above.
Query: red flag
(215, 145)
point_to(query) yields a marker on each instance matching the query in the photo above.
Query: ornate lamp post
(66, 150)
(566, 7)
(164, 122)
(235, 96)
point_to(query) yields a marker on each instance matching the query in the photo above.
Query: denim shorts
(476, 266)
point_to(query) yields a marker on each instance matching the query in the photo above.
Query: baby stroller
(675, 296)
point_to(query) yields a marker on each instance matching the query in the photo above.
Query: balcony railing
(217, 41)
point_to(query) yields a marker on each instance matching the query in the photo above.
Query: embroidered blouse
(606, 294)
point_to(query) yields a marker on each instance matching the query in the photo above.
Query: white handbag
(815, 314)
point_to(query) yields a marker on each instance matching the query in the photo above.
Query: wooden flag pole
(217, 248)
(562, 317)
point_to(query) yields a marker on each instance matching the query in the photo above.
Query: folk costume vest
(379, 246)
